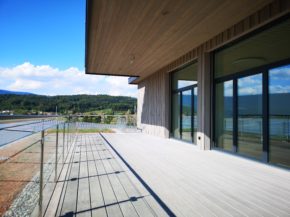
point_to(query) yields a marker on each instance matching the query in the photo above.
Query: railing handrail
(26, 124)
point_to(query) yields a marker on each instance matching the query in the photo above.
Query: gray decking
(205, 183)
(94, 183)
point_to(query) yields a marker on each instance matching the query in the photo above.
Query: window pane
(250, 116)
(279, 114)
(266, 47)
(186, 115)
(185, 77)
(195, 117)
(176, 115)
(224, 115)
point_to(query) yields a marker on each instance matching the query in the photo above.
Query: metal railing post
(67, 135)
(63, 142)
(56, 154)
(41, 172)
(71, 131)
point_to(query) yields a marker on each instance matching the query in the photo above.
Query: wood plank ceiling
(138, 37)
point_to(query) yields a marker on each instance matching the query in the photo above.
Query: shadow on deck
(93, 181)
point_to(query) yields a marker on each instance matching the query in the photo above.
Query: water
(278, 126)
(186, 122)
(13, 131)
(9, 135)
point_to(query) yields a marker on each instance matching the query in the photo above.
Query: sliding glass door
(252, 114)
(184, 104)
(252, 95)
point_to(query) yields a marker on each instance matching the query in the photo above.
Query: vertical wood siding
(152, 108)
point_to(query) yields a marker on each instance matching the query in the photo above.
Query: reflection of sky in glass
(228, 88)
(279, 79)
(251, 85)
(279, 82)
(185, 83)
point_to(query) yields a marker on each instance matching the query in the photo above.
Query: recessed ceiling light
(132, 58)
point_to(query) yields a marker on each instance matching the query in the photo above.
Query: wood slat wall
(154, 92)
(153, 109)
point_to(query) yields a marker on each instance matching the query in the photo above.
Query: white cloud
(250, 90)
(228, 91)
(279, 89)
(21, 84)
(250, 85)
(281, 72)
(47, 80)
(27, 70)
(119, 86)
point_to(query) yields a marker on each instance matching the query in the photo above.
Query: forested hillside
(24, 104)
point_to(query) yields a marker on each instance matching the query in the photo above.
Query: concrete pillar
(204, 101)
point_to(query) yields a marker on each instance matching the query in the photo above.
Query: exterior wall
(154, 92)
(152, 108)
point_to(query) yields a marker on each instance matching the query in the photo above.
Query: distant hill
(14, 92)
(25, 103)
(186, 100)
(279, 104)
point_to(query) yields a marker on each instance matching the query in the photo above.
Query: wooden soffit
(138, 37)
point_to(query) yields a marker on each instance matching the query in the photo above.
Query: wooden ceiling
(138, 37)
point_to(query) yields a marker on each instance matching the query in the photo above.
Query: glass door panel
(250, 126)
(279, 115)
(187, 115)
(224, 115)
(176, 115)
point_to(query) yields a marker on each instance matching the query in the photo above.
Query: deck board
(83, 203)
(96, 194)
(205, 183)
(70, 198)
(94, 182)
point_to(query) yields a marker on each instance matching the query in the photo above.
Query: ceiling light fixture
(132, 58)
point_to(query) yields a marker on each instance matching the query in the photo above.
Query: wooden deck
(204, 183)
(94, 182)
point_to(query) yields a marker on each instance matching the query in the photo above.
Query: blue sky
(43, 37)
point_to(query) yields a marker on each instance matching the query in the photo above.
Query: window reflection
(184, 83)
(250, 126)
(185, 77)
(266, 47)
(224, 115)
(186, 115)
(176, 115)
(279, 115)
(254, 120)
